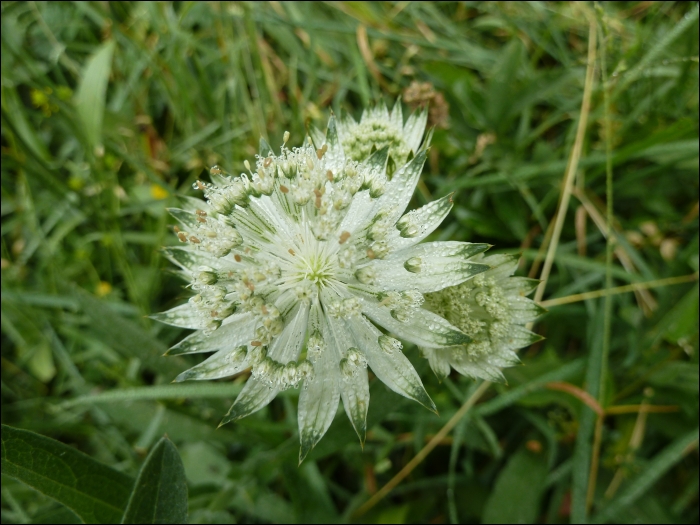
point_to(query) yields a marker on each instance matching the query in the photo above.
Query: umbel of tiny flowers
(379, 127)
(295, 266)
(492, 309)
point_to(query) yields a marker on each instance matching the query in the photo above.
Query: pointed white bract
(303, 265)
(491, 310)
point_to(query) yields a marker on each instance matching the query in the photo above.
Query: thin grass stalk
(427, 449)
(573, 164)
(607, 308)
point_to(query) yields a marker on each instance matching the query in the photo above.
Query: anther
(201, 219)
(214, 170)
(292, 251)
(176, 229)
(284, 188)
(370, 253)
(194, 239)
(238, 258)
(246, 164)
(329, 174)
(255, 343)
(199, 185)
(182, 237)
(201, 213)
(344, 237)
(250, 286)
(285, 137)
(267, 162)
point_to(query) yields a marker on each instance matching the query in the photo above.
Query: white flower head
(492, 310)
(297, 263)
(379, 127)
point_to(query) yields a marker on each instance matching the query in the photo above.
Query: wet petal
(319, 397)
(238, 329)
(184, 316)
(393, 369)
(224, 363)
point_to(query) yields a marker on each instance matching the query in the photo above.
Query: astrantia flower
(492, 310)
(297, 264)
(378, 128)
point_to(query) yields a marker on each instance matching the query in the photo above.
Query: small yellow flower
(158, 192)
(103, 288)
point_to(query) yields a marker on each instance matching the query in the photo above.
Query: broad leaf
(94, 492)
(160, 492)
(518, 490)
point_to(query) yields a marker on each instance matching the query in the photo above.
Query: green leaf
(519, 487)
(681, 322)
(90, 99)
(93, 491)
(125, 336)
(176, 391)
(655, 469)
(678, 375)
(583, 449)
(16, 117)
(160, 492)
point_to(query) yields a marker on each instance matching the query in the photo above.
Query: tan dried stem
(572, 166)
(427, 449)
(620, 289)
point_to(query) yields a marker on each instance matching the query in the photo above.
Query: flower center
(316, 269)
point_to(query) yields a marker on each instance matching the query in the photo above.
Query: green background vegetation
(110, 109)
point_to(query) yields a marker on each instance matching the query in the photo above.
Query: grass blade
(656, 468)
(90, 99)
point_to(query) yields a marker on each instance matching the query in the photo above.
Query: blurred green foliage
(111, 109)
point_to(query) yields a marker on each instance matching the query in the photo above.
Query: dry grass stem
(620, 289)
(573, 163)
(646, 301)
(427, 449)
